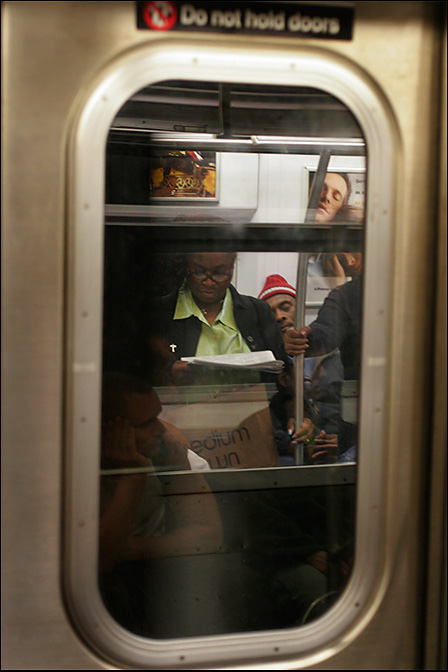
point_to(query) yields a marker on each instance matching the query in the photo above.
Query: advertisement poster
(183, 175)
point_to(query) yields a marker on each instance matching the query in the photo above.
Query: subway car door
(188, 482)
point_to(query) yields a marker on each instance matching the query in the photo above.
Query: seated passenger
(208, 316)
(146, 526)
(134, 506)
(323, 376)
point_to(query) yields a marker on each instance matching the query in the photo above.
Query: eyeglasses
(201, 276)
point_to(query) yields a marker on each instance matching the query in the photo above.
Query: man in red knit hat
(281, 297)
(323, 375)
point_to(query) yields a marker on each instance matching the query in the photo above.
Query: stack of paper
(257, 361)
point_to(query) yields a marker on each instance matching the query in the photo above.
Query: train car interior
(201, 170)
(219, 198)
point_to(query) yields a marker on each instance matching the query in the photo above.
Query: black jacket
(338, 325)
(253, 317)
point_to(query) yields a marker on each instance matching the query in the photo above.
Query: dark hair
(232, 254)
(115, 386)
(350, 213)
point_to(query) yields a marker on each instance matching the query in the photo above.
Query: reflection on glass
(198, 385)
(341, 198)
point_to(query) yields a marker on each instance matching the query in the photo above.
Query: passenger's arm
(120, 503)
(199, 527)
(334, 321)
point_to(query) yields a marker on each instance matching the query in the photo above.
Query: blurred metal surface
(51, 52)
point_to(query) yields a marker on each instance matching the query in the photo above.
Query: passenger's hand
(327, 440)
(175, 456)
(319, 561)
(118, 446)
(332, 266)
(304, 435)
(296, 342)
(183, 373)
(325, 448)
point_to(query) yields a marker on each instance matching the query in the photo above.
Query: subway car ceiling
(240, 113)
(209, 116)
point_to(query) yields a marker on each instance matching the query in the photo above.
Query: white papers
(256, 361)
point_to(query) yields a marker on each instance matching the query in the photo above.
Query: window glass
(232, 313)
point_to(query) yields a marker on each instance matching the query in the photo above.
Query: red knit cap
(276, 284)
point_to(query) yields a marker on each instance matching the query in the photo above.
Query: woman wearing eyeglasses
(207, 316)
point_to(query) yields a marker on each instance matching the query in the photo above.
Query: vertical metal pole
(301, 282)
(224, 111)
(302, 270)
